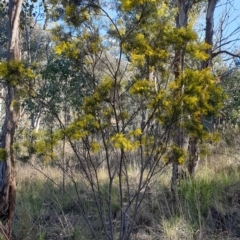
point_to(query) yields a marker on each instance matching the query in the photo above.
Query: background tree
(220, 42)
(194, 151)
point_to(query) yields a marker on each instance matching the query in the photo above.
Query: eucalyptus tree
(194, 151)
(215, 45)
(15, 80)
(8, 73)
(222, 43)
(180, 137)
(4, 31)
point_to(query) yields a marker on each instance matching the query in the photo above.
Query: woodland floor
(207, 207)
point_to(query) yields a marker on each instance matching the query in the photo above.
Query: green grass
(44, 211)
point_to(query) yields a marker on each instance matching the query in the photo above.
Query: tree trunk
(180, 138)
(194, 157)
(209, 31)
(7, 166)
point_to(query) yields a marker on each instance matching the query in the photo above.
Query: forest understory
(120, 119)
(206, 207)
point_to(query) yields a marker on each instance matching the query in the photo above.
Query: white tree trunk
(7, 166)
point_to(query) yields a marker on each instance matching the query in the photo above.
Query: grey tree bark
(179, 136)
(193, 151)
(7, 165)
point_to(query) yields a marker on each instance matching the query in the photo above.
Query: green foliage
(15, 72)
(142, 88)
(69, 49)
(103, 93)
(76, 48)
(122, 142)
(80, 128)
(45, 143)
(3, 154)
(75, 15)
(178, 153)
(128, 5)
(148, 37)
(15, 105)
(194, 93)
(115, 107)
(147, 40)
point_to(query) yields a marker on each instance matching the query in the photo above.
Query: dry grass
(207, 207)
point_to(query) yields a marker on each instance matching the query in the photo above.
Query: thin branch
(226, 43)
(225, 52)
